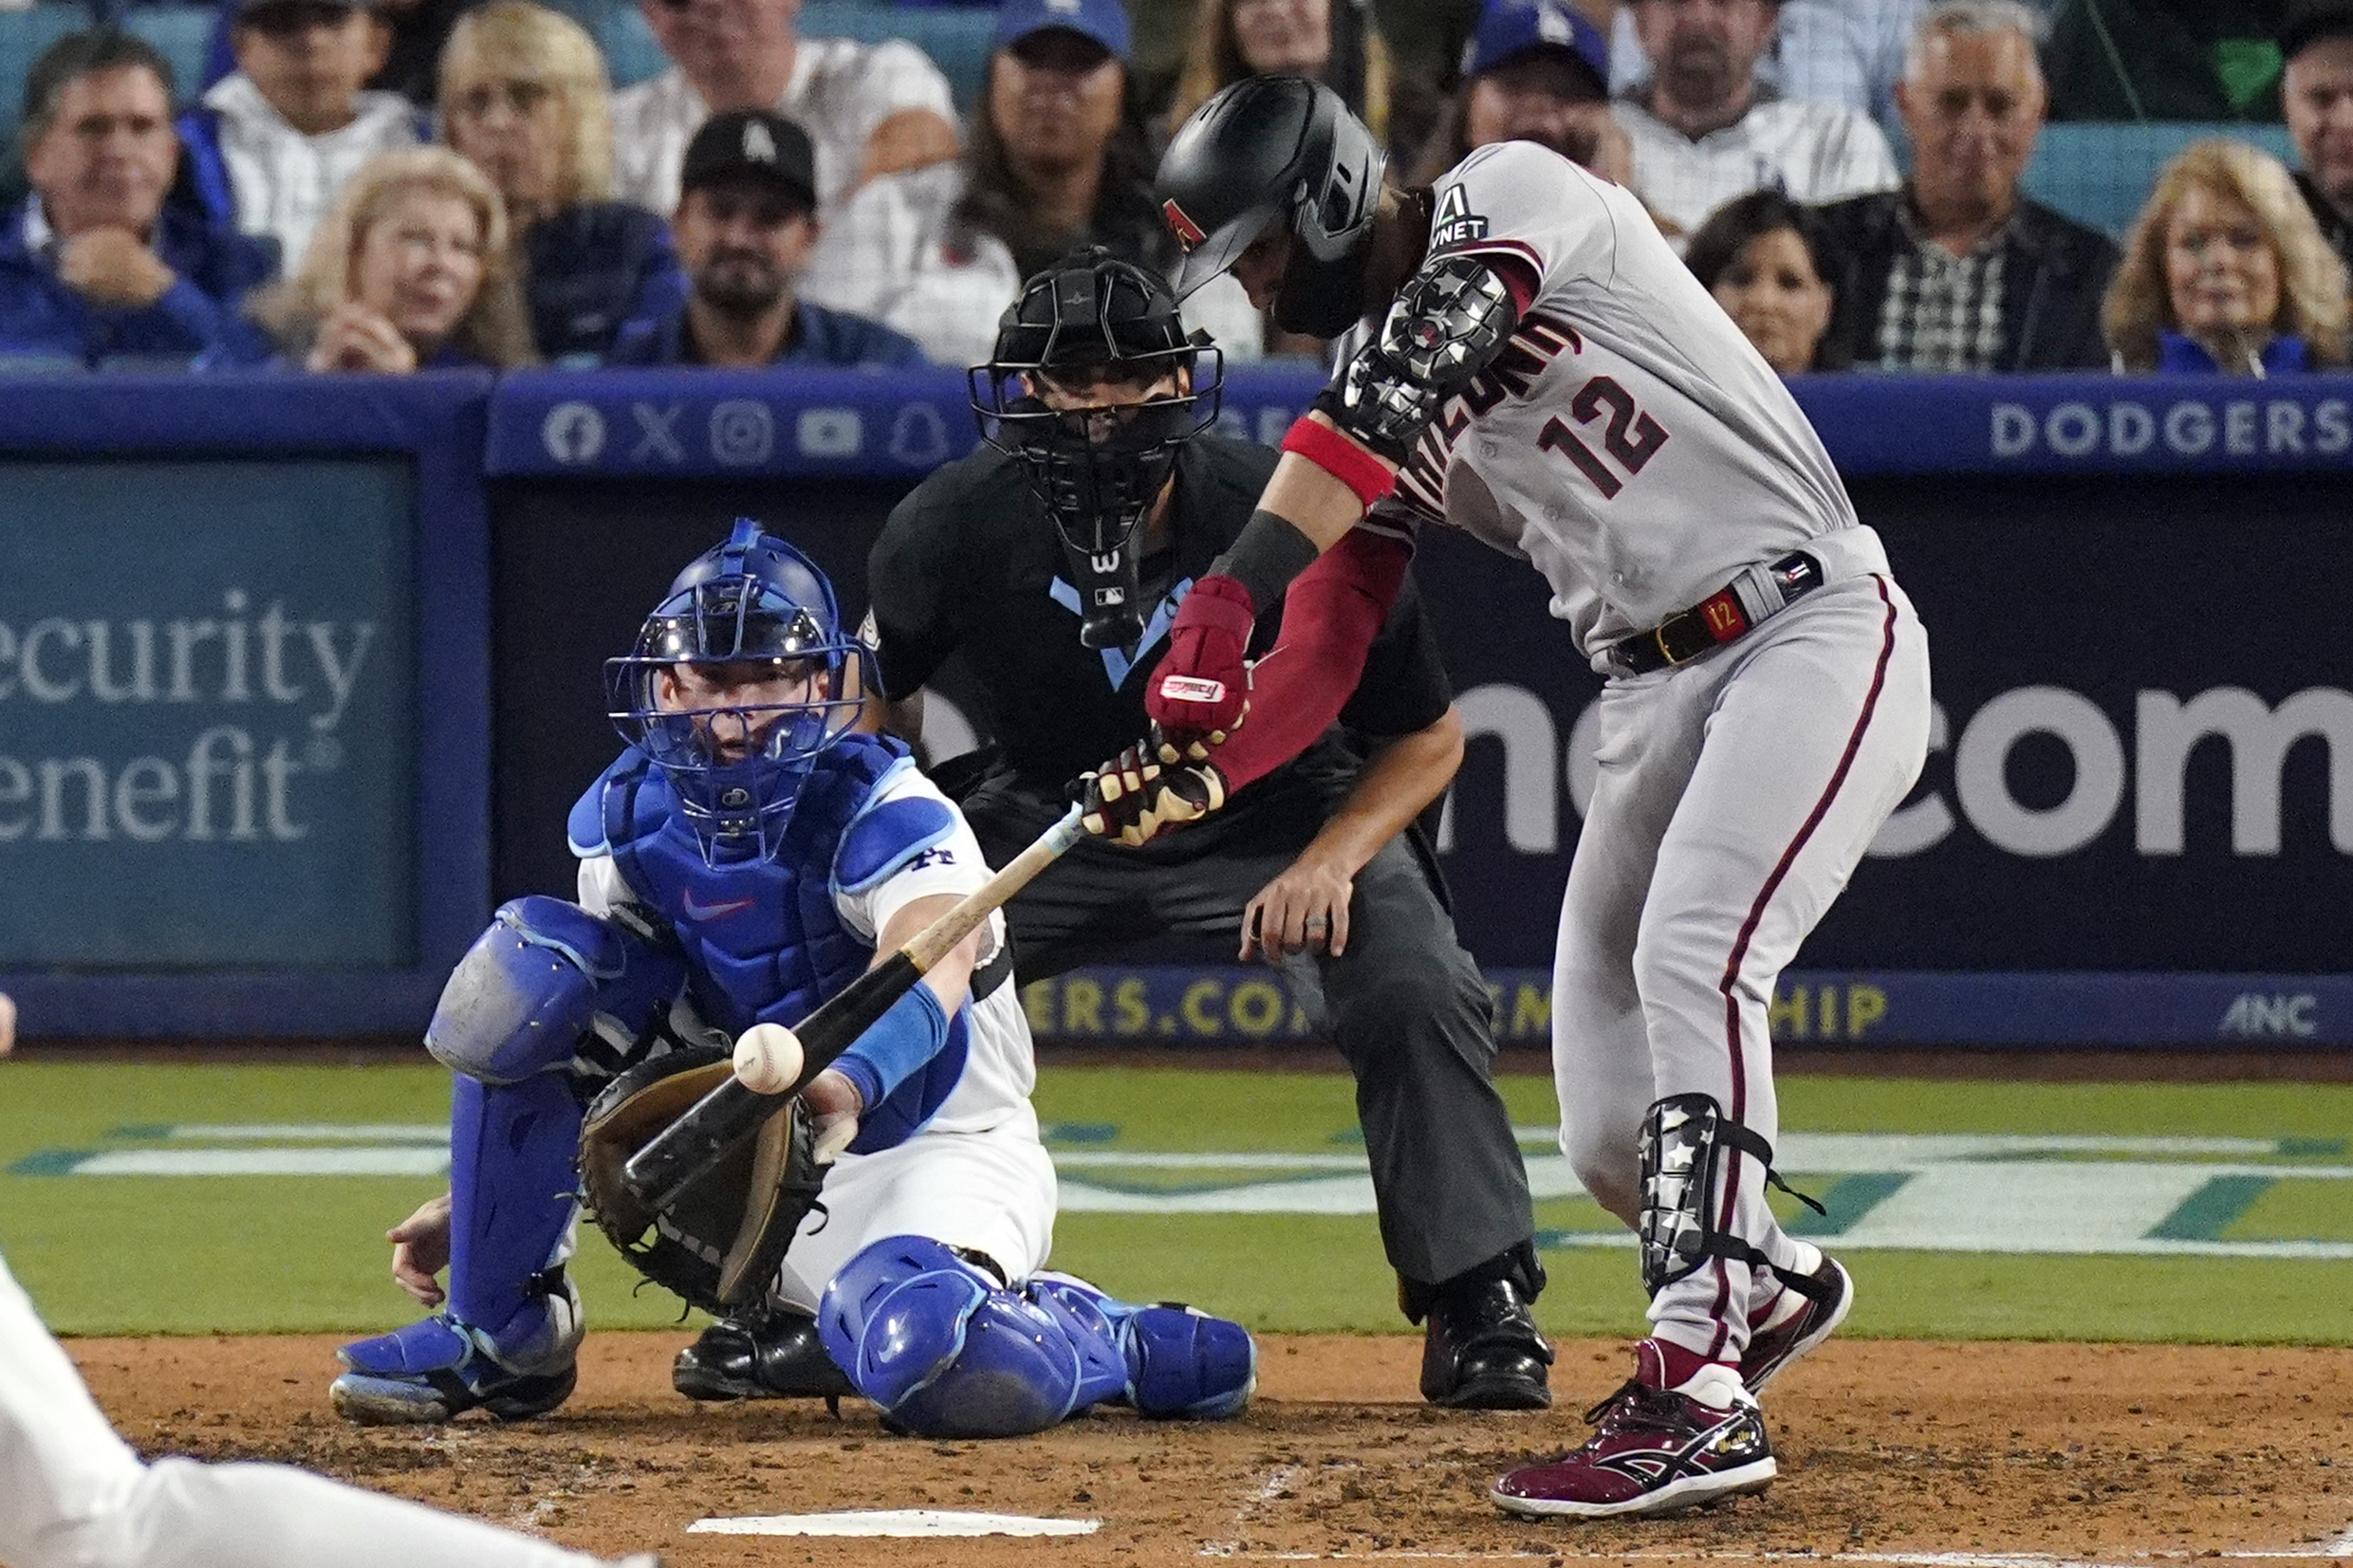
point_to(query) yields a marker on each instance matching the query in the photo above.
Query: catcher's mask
(1094, 387)
(740, 677)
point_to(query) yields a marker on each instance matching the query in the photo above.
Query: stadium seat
(2100, 174)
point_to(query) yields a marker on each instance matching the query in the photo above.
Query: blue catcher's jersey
(763, 939)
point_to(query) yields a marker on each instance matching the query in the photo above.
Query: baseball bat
(700, 1139)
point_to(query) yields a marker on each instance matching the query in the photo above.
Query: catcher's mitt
(720, 1244)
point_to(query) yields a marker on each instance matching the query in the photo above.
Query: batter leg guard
(1682, 1144)
(939, 1342)
(507, 1339)
(1178, 1362)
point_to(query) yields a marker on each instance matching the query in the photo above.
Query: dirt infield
(2108, 1452)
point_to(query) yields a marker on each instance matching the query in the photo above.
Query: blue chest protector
(763, 938)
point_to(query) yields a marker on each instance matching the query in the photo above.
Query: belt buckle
(1658, 640)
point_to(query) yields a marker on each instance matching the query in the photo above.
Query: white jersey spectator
(1703, 132)
(870, 109)
(275, 141)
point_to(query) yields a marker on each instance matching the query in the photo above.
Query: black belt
(1713, 621)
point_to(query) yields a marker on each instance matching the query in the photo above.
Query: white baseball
(768, 1057)
(7, 1024)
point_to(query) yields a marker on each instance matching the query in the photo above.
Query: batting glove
(1202, 686)
(1146, 790)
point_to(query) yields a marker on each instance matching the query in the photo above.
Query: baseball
(768, 1057)
(7, 1024)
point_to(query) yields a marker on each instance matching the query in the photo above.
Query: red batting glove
(1202, 685)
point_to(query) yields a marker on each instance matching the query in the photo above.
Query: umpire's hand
(1151, 786)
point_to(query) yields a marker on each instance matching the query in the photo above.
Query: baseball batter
(73, 1495)
(744, 860)
(1542, 371)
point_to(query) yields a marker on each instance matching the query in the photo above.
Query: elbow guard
(1448, 321)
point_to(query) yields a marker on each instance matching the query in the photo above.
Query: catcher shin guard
(1683, 1142)
(546, 983)
(508, 1337)
(1179, 1361)
(947, 1350)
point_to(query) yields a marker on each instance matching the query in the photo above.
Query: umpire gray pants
(1405, 1004)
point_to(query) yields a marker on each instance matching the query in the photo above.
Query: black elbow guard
(1448, 321)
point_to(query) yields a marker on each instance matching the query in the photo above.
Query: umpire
(1052, 563)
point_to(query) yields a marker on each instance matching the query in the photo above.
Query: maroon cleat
(1654, 1450)
(1774, 1345)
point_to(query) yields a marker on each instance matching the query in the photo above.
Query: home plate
(893, 1522)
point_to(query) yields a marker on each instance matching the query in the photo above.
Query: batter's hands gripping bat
(698, 1140)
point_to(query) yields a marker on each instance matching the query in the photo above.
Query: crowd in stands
(390, 185)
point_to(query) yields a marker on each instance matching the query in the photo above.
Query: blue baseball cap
(1104, 21)
(1509, 28)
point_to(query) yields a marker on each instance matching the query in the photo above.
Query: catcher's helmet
(1097, 465)
(1269, 150)
(736, 768)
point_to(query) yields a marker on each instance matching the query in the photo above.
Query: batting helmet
(1269, 150)
(1097, 460)
(761, 607)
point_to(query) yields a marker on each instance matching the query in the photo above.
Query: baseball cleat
(1482, 1351)
(771, 1354)
(1809, 1320)
(1654, 1450)
(440, 1367)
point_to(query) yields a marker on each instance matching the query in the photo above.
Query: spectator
(1333, 40)
(746, 223)
(408, 272)
(2317, 93)
(274, 141)
(2225, 270)
(1058, 160)
(2144, 60)
(1704, 132)
(871, 109)
(97, 265)
(1768, 263)
(522, 97)
(1957, 272)
(1534, 70)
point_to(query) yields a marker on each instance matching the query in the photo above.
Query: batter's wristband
(1342, 458)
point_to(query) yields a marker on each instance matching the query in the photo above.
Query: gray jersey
(1627, 442)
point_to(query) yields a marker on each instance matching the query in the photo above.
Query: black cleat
(1481, 1351)
(770, 1353)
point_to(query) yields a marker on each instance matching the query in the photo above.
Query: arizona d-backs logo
(1187, 232)
(1454, 223)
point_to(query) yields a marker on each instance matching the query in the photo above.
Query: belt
(1756, 595)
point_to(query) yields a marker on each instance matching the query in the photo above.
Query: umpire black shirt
(968, 561)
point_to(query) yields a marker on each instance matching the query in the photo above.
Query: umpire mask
(1093, 389)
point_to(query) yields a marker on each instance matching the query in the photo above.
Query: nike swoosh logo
(712, 912)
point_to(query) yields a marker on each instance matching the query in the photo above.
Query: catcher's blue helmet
(754, 611)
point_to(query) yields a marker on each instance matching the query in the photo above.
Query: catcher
(743, 861)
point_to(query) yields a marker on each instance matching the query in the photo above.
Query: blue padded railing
(2100, 174)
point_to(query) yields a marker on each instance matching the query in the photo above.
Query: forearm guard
(1448, 321)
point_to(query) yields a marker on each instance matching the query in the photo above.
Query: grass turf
(249, 1254)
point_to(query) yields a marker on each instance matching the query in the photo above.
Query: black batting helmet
(1269, 150)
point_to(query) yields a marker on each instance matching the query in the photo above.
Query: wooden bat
(700, 1139)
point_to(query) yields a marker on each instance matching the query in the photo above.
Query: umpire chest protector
(763, 939)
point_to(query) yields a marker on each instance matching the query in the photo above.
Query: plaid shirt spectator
(1813, 152)
(1942, 312)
